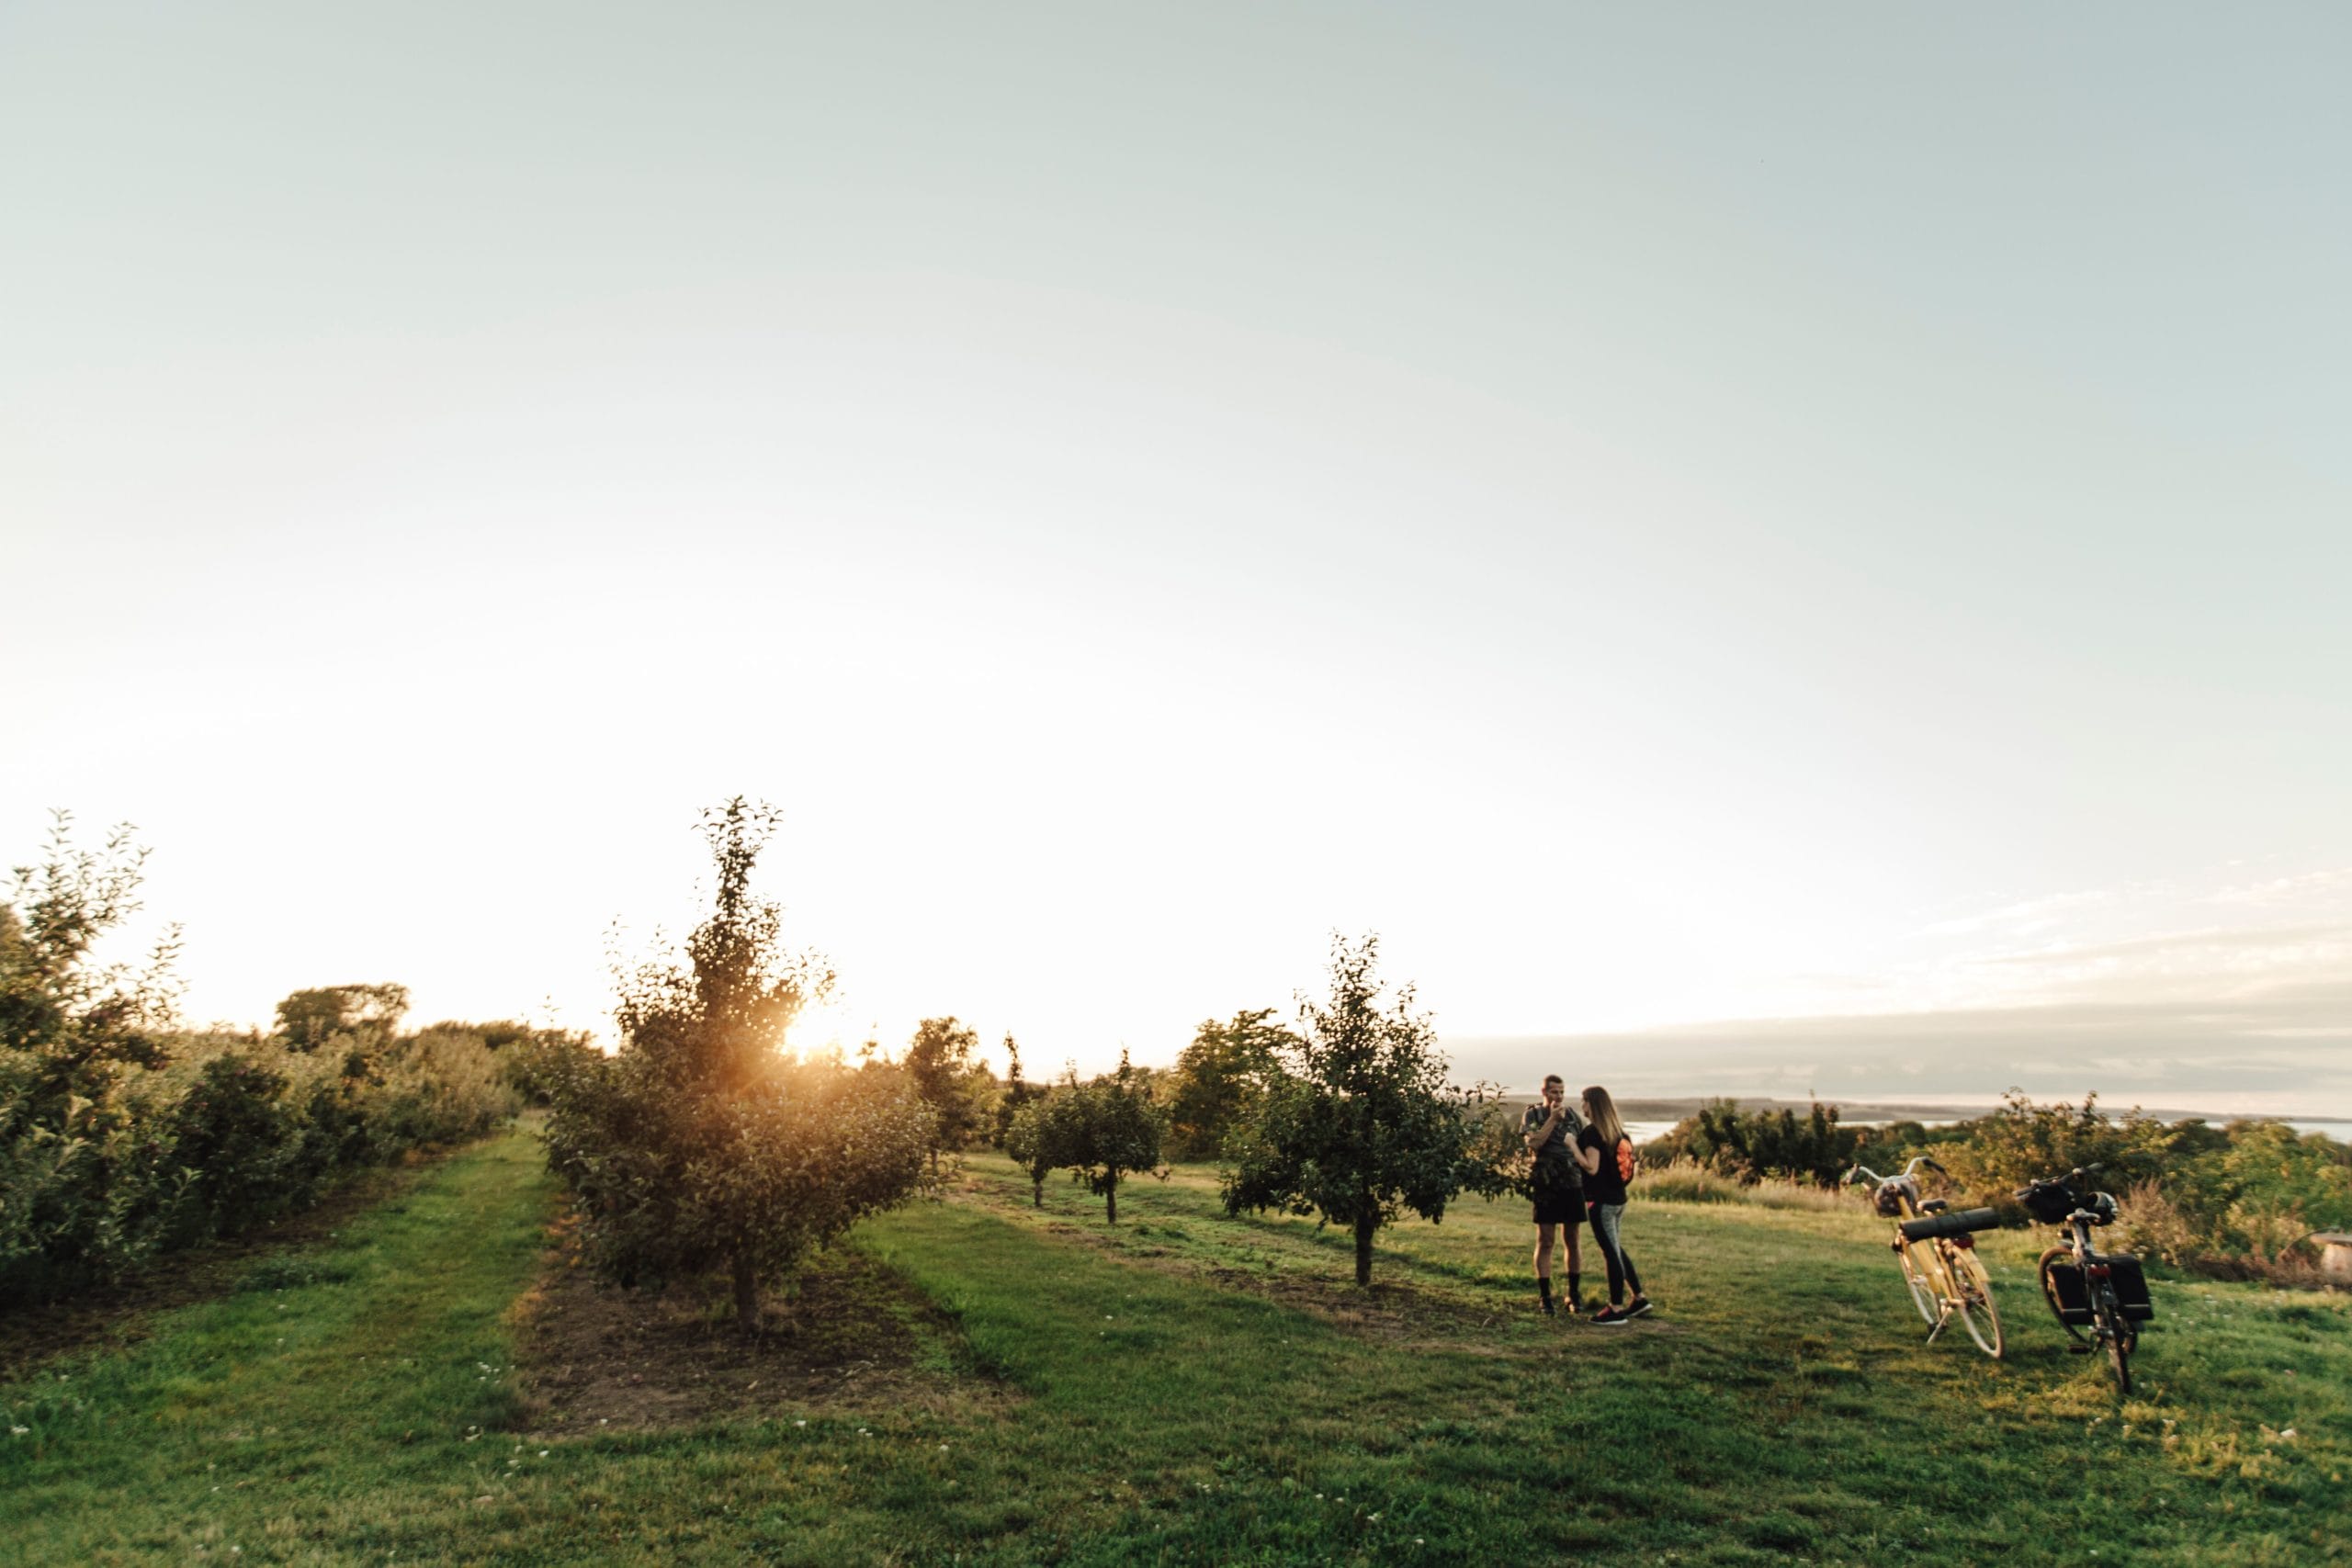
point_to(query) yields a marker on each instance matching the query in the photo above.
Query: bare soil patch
(119, 1315)
(850, 1337)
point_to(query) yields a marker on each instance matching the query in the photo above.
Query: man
(1550, 1129)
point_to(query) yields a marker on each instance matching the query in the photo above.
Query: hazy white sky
(1668, 512)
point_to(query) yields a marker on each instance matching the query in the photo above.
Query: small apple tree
(1360, 1125)
(701, 1145)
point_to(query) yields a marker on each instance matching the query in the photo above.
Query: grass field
(1191, 1388)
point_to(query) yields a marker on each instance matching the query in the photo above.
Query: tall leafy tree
(701, 1145)
(309, 1018)
(1360, 1126)
(1218, 1077)
(941, 1061)
(1018, 1093)
(78, 1021)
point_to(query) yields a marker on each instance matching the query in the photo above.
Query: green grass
(1190, 1388)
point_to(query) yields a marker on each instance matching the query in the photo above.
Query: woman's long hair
(1604, 1115)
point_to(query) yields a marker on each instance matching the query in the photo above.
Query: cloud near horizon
(2284, 1049)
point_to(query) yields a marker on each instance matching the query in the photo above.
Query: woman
(1606, 1154)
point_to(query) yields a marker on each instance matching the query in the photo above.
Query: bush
(1750, 1145)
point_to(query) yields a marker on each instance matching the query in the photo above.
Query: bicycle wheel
(1915, 1278)
(1978, 1313)
(2059, 1258)
(2119, 1352)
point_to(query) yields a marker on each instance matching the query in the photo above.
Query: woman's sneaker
(1640, 1304)
(1612, 1315)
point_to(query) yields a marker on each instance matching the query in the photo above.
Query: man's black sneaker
(1640, 1304)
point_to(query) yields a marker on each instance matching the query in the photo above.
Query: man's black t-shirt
(1605, 1185)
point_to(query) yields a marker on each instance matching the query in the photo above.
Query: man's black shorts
(1558, 1203)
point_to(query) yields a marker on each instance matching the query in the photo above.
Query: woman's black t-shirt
(1605, 1185)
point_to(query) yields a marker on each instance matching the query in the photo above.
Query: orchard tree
(1104, 1131)
(1360, 1125)
(77, 1022)
(1034, 1142)
(700, 1144)
(956, 1088)
(83, 1179)
(1218, 1077)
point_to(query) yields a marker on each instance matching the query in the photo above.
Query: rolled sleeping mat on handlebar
(1952, 1223)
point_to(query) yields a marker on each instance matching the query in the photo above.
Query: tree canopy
(958, 1088)
(1218, 1077)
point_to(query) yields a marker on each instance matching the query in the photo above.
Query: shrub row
(227, 1132)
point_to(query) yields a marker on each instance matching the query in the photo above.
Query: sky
(1780, 543)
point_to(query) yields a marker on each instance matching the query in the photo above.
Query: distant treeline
(2239, 1199)
(122, 1137)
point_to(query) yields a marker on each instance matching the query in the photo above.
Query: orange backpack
(1626, 1165)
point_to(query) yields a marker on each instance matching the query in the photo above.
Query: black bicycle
(2099, 1297)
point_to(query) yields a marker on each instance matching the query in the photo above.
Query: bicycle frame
(1942, 1286)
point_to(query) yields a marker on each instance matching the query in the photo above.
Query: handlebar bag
(1949, 1224)
(2049, 1202)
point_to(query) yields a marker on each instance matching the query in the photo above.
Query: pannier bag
(1891, 1194)
(1956, 1223)
(2072, 1291)
(2131, 1288)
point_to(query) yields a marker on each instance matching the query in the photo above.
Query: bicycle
(1937, 1251)
(2106, 1292)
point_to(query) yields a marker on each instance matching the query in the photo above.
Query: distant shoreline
(1676, 1109)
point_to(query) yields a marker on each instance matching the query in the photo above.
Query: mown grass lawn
(1188, 1388)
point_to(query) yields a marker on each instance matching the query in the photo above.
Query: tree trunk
(747, 1295)
(1365, 1225)
(1111, 1200)
(1038, 1194)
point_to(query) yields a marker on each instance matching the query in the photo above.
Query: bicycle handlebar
(1860, 1172)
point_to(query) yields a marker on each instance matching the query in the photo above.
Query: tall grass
(1686, 1180)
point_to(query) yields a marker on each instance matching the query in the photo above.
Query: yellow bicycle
(1936, 1249)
